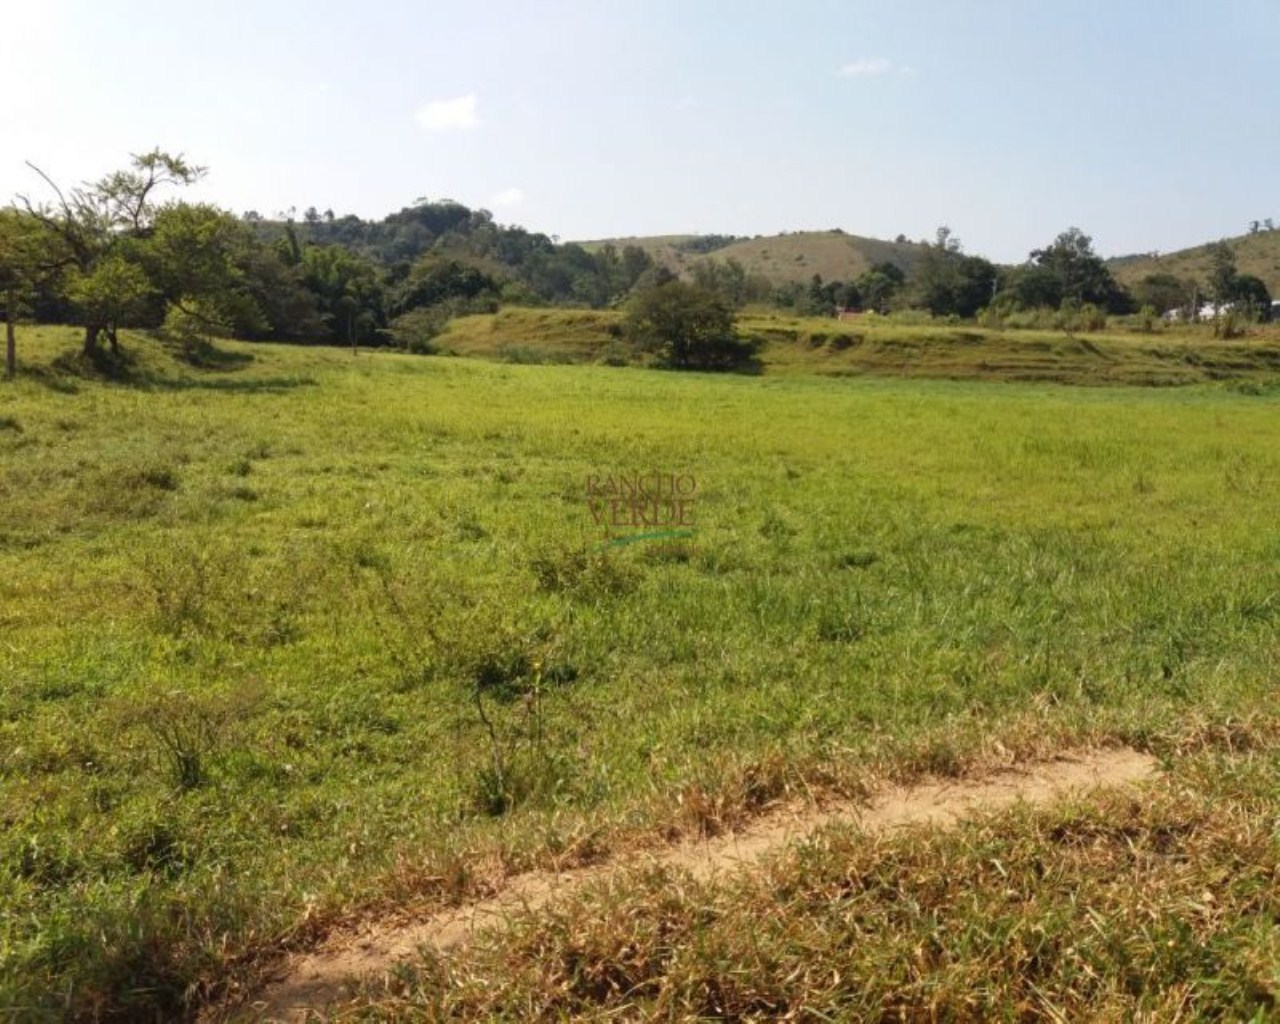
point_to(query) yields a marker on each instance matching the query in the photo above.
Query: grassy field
(304, 636)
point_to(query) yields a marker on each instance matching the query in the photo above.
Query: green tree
(879, 285)
(1081, 275)
(200, 259)
(727, 278)
(688, 327)
(349, 289)
(115, 291)
(635, 261)
(434, 279)
(30, 258)
(97, 225)
(1033, 287)
(947, 282)
(1222, 274)
(1251, 295)
(416, 330)
(290, 310)
(1164, 292)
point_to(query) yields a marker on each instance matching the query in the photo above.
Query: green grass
(315, 634)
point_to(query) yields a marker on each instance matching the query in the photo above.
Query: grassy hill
(837, 256)
(793, 256)
(884, 346)
(1257, 254)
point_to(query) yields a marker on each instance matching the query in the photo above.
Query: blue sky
(1151, 125)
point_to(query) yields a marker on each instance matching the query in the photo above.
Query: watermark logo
(649, 505)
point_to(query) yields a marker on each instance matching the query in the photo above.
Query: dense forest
(126, 251)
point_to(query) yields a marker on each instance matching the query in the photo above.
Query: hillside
(1257, 254)
(792, 256)
(878, 346)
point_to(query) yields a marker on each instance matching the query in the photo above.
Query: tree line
(1064, 277)
(124, 252)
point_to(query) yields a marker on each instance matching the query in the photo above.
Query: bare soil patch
(309, 982)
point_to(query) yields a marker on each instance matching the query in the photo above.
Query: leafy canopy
(688, 327)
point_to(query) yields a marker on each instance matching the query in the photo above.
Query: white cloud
(865, 67)
(449, 115)
(508, 197)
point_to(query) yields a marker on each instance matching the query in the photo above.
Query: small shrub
(583, 573)
(188, 731)
(1229, 325)
(511, 678)
(1091, 318)
(1034, 319)
(180, 589)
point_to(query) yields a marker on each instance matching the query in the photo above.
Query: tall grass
(1159, 908)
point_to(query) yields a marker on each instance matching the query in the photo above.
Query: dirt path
(309, 982)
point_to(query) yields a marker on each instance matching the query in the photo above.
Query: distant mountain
(1257, 254)
(792, 256)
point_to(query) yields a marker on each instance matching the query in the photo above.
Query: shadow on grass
(124, 368)
(204, 355)
(260, 385)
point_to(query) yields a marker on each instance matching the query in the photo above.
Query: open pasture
(296, 636)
